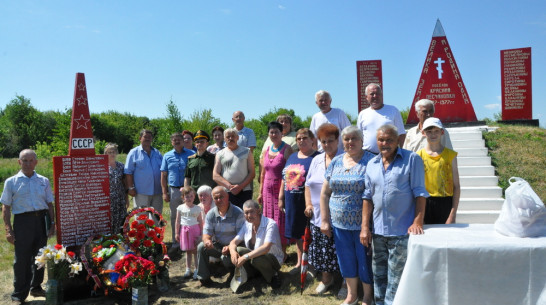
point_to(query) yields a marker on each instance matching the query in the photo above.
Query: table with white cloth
(472, 264)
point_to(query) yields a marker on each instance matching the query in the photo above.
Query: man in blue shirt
(28, 195)
(247, 138)
(142, 169)
(173, 168)
(395, 193)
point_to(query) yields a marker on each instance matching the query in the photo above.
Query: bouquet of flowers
(134, 271)
(60, 263)
(143, 230)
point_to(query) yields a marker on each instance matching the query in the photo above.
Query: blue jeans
(389, 258)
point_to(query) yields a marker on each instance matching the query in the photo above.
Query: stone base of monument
(533, 123)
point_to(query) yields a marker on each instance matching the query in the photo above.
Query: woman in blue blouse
(341, 205)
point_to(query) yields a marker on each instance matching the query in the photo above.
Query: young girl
(188, 228)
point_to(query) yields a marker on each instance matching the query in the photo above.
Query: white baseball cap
(432, 122)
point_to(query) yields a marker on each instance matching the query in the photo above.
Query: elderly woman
(218, 136)
(341, 205)
(200, 165)
(119, 201)
(322, 251)
(292, 198)
(288, 135)
(204, 193)
(272, 162)
(187, 137)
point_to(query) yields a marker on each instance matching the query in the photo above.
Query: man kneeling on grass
(262, 251)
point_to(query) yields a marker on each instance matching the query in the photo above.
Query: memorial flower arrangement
(134, 271)
(144, 229)
(60, 263)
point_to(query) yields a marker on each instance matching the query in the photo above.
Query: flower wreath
(143, 230)
(100, 249)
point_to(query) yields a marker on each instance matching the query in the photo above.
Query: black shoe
(37, 292)
(276, 282)
(206, 283)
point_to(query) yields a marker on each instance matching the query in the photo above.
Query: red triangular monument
(442, 83)
(81, 134)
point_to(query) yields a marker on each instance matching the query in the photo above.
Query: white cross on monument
(439, 62)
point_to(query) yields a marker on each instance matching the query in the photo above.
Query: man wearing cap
(200, 165)
(378, 114)
(28, 195)
(261, 250)
(415, 140)
(173, 168)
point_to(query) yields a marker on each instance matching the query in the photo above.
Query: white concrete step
(479, 181)
(458, 144)
(471, 204)
(478, 216)
(476, 170)
(465, 136)
(473, 161)
(481, 192)
(471, 152)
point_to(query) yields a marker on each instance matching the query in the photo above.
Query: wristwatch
(246, 256)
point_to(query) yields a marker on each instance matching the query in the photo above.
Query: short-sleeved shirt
(347, 185)
(26, 194)
(246, 137)
(145, 170)
(234, 165)
(416, 141)
(199, 170)
(394, 191)
(315, 180)
(188, 216)
(175, 165)
(224, 229)
(267, 232)
(369, 120)
(334, 116)
(438, 172)
(289, 139)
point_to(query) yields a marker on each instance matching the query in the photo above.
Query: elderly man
(415, 140)
(395, 193)
(234, 169)
(221, 225)
(142, 169)
(28, 195)
(246, 135)
(173, 168)
(378, 114)
(262, 249)
(327, 114)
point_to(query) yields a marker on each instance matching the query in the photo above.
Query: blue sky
(255, 55)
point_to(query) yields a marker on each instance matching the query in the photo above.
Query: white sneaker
(322, 288)
(195, 275)
(187, 273)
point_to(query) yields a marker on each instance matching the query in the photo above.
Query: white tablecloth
(472, 264)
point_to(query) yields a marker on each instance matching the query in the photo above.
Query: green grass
(519, 151)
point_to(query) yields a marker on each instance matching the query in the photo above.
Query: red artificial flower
(140, 235)
(71, 254)
(134, 224)
(150, 222)
(112, 246)
(151, 233)
(142, 217)
(141, 228)
(135, 244)
(147, 243)
(99, 259)
(132, 233)
(158, 229)
(157, 240)
(58, 247)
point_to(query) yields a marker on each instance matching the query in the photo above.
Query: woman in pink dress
(272, 162)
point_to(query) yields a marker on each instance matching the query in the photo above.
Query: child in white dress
(189, 224)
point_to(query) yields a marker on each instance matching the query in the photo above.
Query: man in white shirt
(415, 140)
(377, 115)
(327, 114)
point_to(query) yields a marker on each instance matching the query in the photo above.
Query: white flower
(75, 268)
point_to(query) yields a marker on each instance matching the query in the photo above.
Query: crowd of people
(361, 189)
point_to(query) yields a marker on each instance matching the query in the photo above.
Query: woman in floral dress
(118, 196)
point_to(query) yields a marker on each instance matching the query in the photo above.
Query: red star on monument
(81, 87)
(81, 100)
(82, 122)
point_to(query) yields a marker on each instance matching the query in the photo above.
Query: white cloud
(281, 7)
(492, 106)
